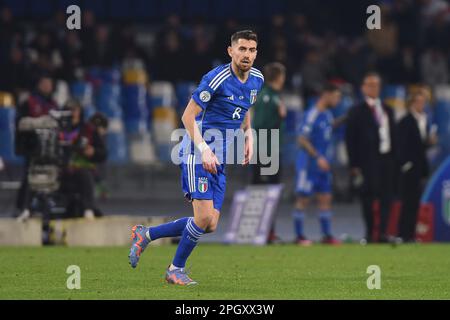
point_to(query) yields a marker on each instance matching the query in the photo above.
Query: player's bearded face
(243, 53)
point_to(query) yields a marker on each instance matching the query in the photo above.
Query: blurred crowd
(315, 42)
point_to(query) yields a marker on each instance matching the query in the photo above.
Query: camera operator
(38, 104)
(71, 123)
(89, 150)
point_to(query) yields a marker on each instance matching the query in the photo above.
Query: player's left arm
(339, 121)
(247, 127)
(281, 108)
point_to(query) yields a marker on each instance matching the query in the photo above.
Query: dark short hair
(273, 70)
(99, 120)
(244, 34)
(371, 74)
(329, 87)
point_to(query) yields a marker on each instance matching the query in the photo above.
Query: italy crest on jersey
(202, 184)
(253, 94)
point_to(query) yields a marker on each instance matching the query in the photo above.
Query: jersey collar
(236, 78)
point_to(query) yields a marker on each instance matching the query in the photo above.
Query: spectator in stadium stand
(101, 52)
(169, 61)
(314, 71)
(17, 80)
(87, 32)
(8, 29)
(434, 67)
(370, 139)
(38, 104)
(414, 137)
(269, 113)
(199, 54)
(223, 32)
(71, 55)
(384, 43)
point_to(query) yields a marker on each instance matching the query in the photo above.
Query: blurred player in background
(313, 165)
(269, 113)
(220, 102)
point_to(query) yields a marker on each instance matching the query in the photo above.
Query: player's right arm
(209, 159)
(321, 161)
(200, 100)
(305, 143)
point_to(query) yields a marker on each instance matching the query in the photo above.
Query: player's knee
(301, 203)
(324, 205)
(324, 202)
(203, 221)
(211, 227)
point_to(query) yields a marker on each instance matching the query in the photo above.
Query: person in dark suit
(413, 140)
(370, 141)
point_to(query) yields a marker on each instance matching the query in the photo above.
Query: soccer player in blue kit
(221, 102)
(313, 164)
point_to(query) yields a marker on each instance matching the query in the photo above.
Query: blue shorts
(197, 183)
(310, 182)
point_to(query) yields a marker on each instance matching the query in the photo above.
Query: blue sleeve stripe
(218, 76)
(312, 116)
(259, 75)
(213, 85)
(306, 127)
(225, 76)
(256, 71)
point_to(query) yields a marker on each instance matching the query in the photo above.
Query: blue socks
(324, 219)
(184, 227)
(299, 217)
(325, 222)
(170, 229)
(189, 239)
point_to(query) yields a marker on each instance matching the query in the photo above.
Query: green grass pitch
(230, 272)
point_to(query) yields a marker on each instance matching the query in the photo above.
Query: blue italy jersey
(317, 127)
(225, 101)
